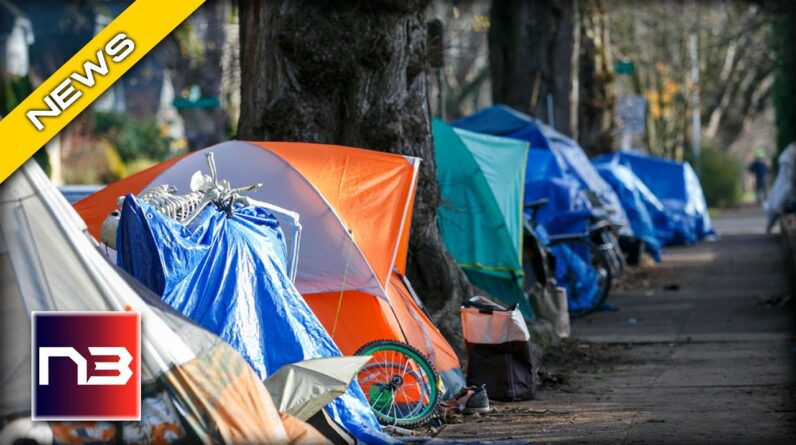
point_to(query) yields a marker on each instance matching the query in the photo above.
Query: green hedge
(721, 175)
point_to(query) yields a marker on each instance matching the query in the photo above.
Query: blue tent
(569, 161)
(228, 275)
(677, 187)
(642, 207)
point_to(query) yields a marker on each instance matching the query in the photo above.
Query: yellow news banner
(90, 72)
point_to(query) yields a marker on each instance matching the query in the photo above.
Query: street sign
(631, 114)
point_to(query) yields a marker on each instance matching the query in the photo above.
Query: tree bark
(596, 99)
(533, 52)
(784, 34)
(353, 73)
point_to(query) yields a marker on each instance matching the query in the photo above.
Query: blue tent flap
(677, 187)
(638, 202)
(228, 275)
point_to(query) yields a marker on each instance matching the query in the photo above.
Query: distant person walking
(759, 168)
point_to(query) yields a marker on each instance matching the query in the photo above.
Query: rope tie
(345, 281)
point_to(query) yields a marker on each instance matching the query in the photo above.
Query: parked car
(74, 193)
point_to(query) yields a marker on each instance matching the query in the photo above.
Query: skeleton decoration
(205, 190)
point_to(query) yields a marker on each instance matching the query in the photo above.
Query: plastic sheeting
(480, 218)
(677, 187)
(304, 388)
(228, 275)
(575, 273)
(782, 190)
(571, 161)
(639, 203)
(567, 211)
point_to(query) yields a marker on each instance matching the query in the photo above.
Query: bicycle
(606, 233)
(575, 254)
(400, 383)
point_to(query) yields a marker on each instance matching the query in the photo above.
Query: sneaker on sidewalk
(478, 402)
(470, 400)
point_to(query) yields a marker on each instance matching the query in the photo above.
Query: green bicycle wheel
(400, 383)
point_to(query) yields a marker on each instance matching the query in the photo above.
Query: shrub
(721, 175)
(133, 139)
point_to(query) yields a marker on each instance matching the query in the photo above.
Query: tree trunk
(533, 52)
(596, 99)
(353, 73)
(784, 34)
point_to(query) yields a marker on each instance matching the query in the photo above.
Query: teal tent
(482, 182)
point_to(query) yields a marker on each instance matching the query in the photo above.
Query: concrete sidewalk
(700, 351)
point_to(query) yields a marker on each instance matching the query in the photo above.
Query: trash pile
(271, 277)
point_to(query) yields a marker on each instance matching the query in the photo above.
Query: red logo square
(86, 366)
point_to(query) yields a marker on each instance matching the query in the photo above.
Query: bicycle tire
(617, 253)
(606, 240)
(602, 265)
(424, 373)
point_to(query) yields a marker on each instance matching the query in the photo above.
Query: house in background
(16, 36)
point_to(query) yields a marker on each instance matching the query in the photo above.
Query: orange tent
(355, 208)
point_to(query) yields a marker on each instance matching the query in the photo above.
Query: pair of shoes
(470, 400)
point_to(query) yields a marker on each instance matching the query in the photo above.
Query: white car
(75, 193)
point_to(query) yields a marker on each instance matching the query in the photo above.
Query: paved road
(708, 360)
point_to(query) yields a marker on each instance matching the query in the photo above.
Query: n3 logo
(121, 366)
(86, 366)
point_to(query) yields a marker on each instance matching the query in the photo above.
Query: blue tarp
(567, 210)
(640, 205)
(570, 161)
(228, 275)
(572, 262)
(677, 187)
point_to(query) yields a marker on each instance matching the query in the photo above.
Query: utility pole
(696, 119)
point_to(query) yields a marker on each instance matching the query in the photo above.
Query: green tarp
(482, 180)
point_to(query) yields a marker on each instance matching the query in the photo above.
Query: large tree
(534, 47)
(595, 77)
(784, 14)
(352, 73)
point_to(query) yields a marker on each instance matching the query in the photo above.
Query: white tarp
(783, 188)
(49, 262)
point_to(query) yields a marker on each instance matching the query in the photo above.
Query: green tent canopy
(482, 181)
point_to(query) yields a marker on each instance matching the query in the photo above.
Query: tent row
(311, 264)
(231, 276)
(497, 161)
